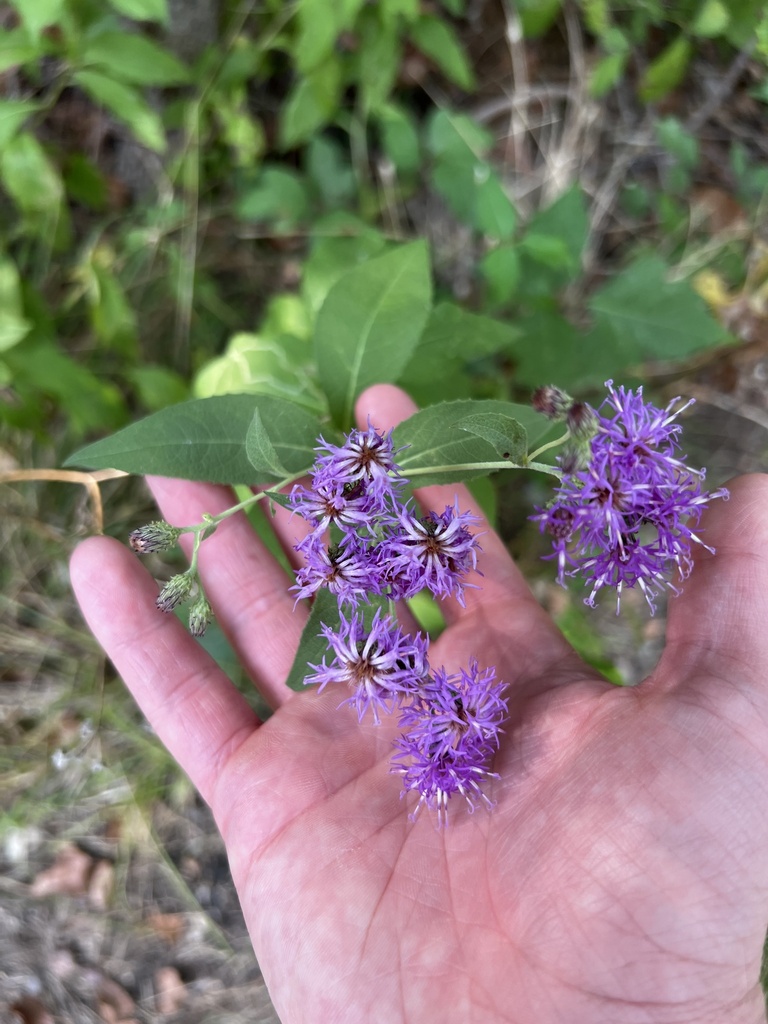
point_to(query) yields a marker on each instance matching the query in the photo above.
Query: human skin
(623, 873)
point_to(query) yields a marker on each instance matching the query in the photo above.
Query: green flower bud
(200, 615)
(158, 536)
(582, 422)
(175, 592)
(553, 402)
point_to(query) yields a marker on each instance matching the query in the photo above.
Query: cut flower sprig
(624, 514)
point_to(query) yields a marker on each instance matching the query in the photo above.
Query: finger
(247, 588)
(717, 627)
(192, 706)
(503, 602)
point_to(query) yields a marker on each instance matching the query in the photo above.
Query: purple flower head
(628, 518)
(378, 664)
(346, 569)
(348, 506)
(366, 455)
(453, 732)
(435, 551)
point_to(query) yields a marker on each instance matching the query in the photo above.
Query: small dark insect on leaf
(505, 455)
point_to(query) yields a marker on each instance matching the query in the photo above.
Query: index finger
(502, 588)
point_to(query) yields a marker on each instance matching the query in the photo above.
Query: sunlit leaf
(369, 324)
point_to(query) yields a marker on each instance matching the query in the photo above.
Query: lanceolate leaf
(369, 324)
(313, 646)
(441, 448)
(206, 440)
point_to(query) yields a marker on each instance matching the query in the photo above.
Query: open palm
(622, 875)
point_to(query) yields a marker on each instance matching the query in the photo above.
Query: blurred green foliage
(173, 227)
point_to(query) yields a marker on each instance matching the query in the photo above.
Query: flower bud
(576, 456)
(200, 615)
(158, 536)
(552, 401)
(581, 421)
(175, 592)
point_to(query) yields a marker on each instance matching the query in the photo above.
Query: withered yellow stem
(90, 481)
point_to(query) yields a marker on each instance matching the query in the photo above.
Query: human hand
(620, 876)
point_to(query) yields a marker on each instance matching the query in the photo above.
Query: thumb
(719, 625)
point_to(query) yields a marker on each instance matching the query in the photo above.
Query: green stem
(208, 521)
(540, 467)
(552, 444)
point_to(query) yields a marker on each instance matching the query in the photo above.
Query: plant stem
(551, 444)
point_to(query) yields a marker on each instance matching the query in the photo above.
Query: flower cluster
(379, 546)
(366, 544)
(627, 508)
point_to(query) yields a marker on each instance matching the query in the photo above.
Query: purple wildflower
(628, 518)
(366, 456)
(347, 569)
(435, 551)
(379, 664)
(348, 506)
(453, 732)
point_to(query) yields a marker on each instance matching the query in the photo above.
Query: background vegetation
(182, 183)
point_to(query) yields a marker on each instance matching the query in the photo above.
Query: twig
(90, 481)
(719, 95)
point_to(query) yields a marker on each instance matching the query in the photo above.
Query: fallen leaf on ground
(69, 874)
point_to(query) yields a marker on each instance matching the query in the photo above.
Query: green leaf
(399, 137)
(205, 440)
(451, 340)
(17, 49)
(29, 177)
(712, 19)
(658, 318)
(320, 23)
(313, 646)
(127, 105)
(440, 451)
(552, 350)
(328, 167)
(508, 437)
(567, 220)
(261, 451)
(13, 324)
(494, 213)
(143, 10)
(279, 197)
(606, 73)
(38, 14)
(378, 57)
(157, 386)
(311, 104)
(677, 141)
(41, 368)
(438, 41)
(454, 7)
(85, 183)
(341, 243)
(537, 16)
(551, 250)
(667, 71)
(13, 114)
(457, 137)
(501, 270)
(135, 59)
(369, 324)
